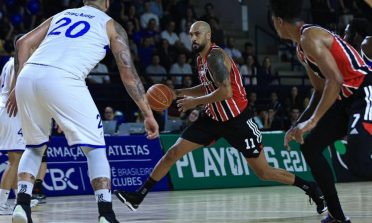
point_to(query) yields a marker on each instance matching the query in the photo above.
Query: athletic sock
(4, 194)
(147, 186)
(301, 183)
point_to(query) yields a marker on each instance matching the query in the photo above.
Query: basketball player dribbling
(51, 85)
(340, 105)
(225, 115)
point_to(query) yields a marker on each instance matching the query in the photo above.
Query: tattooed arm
(219, 65)
(129, 76)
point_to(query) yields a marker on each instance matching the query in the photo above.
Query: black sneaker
(131, 199)
(330, 219)
(316, 195)
(22, 214)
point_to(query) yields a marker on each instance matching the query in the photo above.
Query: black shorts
(240, 132)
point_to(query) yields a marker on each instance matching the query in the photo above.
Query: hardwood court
(243, 205)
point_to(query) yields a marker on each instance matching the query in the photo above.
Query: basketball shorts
(45, 92)
(240, 132)
(11, 138)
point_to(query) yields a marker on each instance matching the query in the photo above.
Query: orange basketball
(159, 96)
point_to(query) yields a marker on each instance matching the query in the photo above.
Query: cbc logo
(60, 180)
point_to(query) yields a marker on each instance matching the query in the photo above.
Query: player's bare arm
(219, 66)
(316, 44)
(129, 76)
(195, 91)
(23, 50)
(367, 46)
(318, 85)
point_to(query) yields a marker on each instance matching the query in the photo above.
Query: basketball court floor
(240, 205)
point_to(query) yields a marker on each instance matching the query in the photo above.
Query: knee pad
(31, 160)
(98, 165)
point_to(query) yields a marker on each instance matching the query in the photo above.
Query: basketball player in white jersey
(51, 84)
(11, 139)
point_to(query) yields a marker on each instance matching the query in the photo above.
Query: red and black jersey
(351, 65)
(227, 109)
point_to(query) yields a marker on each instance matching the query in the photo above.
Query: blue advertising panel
(132, 158)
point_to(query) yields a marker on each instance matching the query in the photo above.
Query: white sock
(103, 195)
(4, 194)
(25, 187)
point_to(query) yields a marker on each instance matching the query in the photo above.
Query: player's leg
(72, 107)
(332, 126)
(100, 178)
(38, 192)
(202, 132)
(36, 125)
(248, 140)
(7, 179)
(359, 139)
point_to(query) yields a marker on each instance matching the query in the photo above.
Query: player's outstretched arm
(129, 76)
(195, 91)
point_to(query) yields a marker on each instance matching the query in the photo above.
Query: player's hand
(289, 136)
(186, 103)
(174, 94)
(303, 127)
(151, 127)
(11, 104)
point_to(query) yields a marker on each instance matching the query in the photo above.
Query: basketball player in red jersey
(226, 115)
(340, 104)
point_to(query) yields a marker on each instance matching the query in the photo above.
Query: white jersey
(76, 41)
(7, 76)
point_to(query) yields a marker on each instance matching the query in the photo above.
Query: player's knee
(171, 156)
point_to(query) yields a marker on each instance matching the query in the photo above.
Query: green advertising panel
(222, 166)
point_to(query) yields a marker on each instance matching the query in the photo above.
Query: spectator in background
(190, 18)
(156, 7)
(274, 122)
(252, 98)
(166, 53)
(294, 114)
(294, 100)
(185, 38)
(180, 68)
(209, 13)
(187, 82)
(249, 71)
(249, 51)
(147, 15)
(276, 104)
(132, 16)
(151, 31)
(265, 73)
(145, 51)
(169, 33)
(156, 68)
(109, 114)
(233, 52)
(218, 35)
(95, 78)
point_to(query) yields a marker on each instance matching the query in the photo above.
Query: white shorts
(45, 92)
(11, 138)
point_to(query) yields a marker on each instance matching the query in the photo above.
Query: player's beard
(197, 48)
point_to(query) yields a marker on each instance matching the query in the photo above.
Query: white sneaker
(103, 220)
(6, 209)
(19, 215)
(34, 203)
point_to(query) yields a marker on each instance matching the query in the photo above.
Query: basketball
(159, 96)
